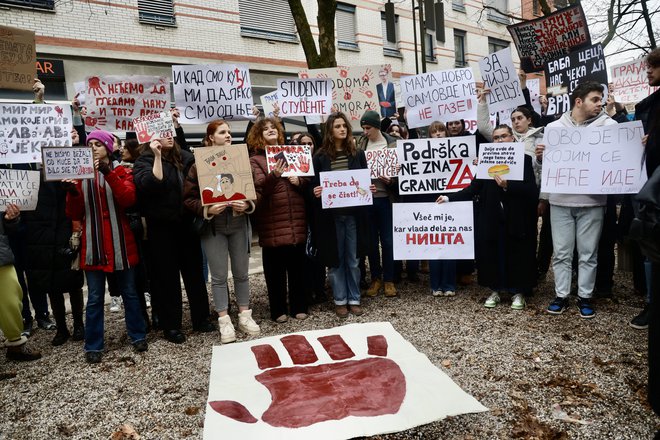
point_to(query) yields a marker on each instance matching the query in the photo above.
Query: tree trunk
(326, 23)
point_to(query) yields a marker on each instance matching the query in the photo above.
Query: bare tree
(325, 56)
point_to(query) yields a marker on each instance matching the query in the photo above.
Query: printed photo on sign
(506, 159)
(224, 174)
(436, 165)
(68, 163)
(340, 189)
(205, 92)
(268, 102)
(499, 76)
(387, 91)
(154, 126)
(304, 97)
(297, 159)
(432, 231)
(19, 187)
(18, 62)
(26, 128)
(630, 81)
(114, 101)
(594, 160)
(382, 162)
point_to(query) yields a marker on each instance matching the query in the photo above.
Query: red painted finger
(266, 356)
(336, 347)
(299, 349)
(377, 345)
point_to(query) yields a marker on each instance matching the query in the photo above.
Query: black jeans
(282, 264)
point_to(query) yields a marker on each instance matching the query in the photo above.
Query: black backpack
(645, 227)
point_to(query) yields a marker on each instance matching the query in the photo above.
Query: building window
(37, 4)
(160, 12)
(429, 46)
(536, 7)
(389, 48)
(273, 23)
(459, 48)
(346, 26)
(497, 14)
(495, 45)
(458, 5)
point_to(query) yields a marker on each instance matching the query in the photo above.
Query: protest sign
(297, 159)
(19, 187)
(68, 163)
(224, 174)
(594, 160)
(268, 102)
(443, 95)
(114, 101)
(499, 75)
(382, 162)
(505, 159)
(302, 97)
(534, 87)
(436, 165)
(630, 81)
(341, 189)
(26, 128)
(205, 92)
(543, 39)
(80, 88)
(432, 231)
(564, 74)
(18, 59)
(389, 92)
(154, 126)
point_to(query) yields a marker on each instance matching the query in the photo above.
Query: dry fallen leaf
(192, 410)
(446, 363)
(125, 432)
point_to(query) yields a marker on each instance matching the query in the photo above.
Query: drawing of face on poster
(224, 191)
(224, 174)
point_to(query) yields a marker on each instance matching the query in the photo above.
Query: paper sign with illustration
(631, 83)
(506, 159)
(304, 97)
(224, 174)
(341, 189)
(19, 187)
(154, 126)
(68, 163)
(268, 102)
(499, 75)
(297, 159)
(18, 58)
(432, 231)
(114, 101)
(26, 128)
(382, 162)
(344, 382)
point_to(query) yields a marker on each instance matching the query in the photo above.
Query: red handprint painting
(298, 158)
(349, 381)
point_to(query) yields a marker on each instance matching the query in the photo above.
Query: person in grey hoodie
(577, 219)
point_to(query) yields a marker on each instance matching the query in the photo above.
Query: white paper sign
(631, 83)
(268, 102)
(68, 163)
(382, 162)
(436, 165)
(506, 159)
(443, 95)
(19, 187)
(534, 87)
(593, 160)
(80, 89)
(154, 126)
(303, 97)
(341, 189)
(205, 92)
(297, 158)
(26, 128)
(499, 75)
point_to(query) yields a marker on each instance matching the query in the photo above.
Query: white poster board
(499, 75)
(534, 87)
(297, 159)
(68, 163)
(506, 159)
(154, 126)
(341, 189)
(630, 80)
(304, 97)
(19, 187)
(382, 162)
(268, 102)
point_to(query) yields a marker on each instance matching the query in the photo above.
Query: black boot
(60, 337)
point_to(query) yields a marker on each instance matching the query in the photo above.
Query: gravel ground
(517, 363)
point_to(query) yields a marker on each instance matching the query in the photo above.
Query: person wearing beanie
(370, 118)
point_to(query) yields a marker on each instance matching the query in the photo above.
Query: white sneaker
(115, 303)
(227, 332)
(518, 301)
(246, 324)
(450, 293)
(493, 300)
(147, 299)
(437, 293)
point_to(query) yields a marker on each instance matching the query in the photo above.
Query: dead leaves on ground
(125, 432)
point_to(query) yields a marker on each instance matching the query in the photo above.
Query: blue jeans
(95, 306)
(380, 231)
(442, 275)
(345, 278)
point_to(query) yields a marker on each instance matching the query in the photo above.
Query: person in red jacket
(107, 245)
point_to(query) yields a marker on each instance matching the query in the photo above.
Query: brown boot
(22, 353)
(356, 310)
(374, 288)
(341, 311)
(390, 290)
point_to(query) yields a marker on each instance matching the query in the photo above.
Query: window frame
(390, 49)
(156, 12)
(349, 9)
(265, 33)
(38, 5)
(462, 35)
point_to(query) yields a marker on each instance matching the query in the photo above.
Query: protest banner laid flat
(432, 231)
(154, 126)
(18, 59)
(19, 187)
(204, 92)
(68, 163)
(382, 162)
(594, 160)
(341, 189)
(630, 81)
(224, 174)
(499, 75)
(268, 102)
(304, 97)
(297, 159)
(443, 95)
(26, 128)
(505, 159)
(114, 101)
(543, 39)
(436, 165)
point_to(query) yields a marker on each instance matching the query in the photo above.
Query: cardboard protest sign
(432, 231)
(505, 159)
(224, 174)
(630, 81)
(341, 189)
(19, 187)
(205, 92)
(304, 97)
(382, 162)
(298, 159)
(564, 74)
(534, 87)
(154, 126)
(594, 160)
(499, 75)
(18, 59)
(114, 101)
(25, 128)
(436, 165)
(268, 102)
(543, 39)
(68, 163)
(443, 95)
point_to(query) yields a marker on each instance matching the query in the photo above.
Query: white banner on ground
(506, 159)
(341, 189)
(19, 187)
(499, 75)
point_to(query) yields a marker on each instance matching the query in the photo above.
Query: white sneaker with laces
(246, 324)
(147, 299)
(227, 332)
(518, 301)
(437, 293)
(115, 303)
(493, 300)
(450, 293)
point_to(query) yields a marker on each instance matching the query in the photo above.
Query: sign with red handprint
(340, 189)
(350, 381)
(18, 59)
(298, 159)
(154, 126)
